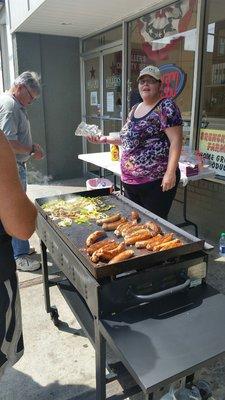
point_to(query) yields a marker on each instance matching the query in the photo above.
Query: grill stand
(92, 329)
(111, 317)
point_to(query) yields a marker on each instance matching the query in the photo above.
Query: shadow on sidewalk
(23, 387)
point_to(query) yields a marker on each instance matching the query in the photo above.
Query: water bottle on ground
(222, 244)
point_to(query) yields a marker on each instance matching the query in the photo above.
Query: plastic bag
(84, 129)
(180, 392)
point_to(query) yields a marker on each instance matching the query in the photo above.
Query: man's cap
(150, 70)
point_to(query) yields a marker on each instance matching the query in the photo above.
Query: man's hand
(38, 152)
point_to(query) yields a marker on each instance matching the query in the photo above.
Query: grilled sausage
(163, 239)
(96, 246)
(168, 245)
(93, 237)
(137, 238)
(111, 226)
(122, 256)
(140, 231)
(135, 215)
(96, 256)
(119, 229)
(154, 227)
(171, 246)
(134, 228)
(107, 255)
(143, 243)
(126, 227)
(107, 220)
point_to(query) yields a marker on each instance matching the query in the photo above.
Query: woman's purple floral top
(145, 146)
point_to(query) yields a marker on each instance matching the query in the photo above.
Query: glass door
(112, 92)
(103, 95)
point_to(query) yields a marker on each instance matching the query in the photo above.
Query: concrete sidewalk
(59, 364)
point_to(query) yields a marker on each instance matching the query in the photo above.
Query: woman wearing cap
(151, 143)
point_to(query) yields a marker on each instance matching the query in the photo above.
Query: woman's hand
(97, 139)
(169, 181)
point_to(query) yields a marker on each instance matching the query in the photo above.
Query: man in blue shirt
(15, 124)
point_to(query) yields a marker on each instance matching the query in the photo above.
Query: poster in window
(110, 101)
(212, 145)
(94, 98)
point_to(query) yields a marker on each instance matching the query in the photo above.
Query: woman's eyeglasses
(149, 81)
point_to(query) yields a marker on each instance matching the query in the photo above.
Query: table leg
(187, 222)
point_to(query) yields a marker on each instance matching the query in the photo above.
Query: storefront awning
(78, 18)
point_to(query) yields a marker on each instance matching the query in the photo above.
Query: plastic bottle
(114, 148)
(222, 244)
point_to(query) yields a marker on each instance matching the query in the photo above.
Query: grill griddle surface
(75, 236)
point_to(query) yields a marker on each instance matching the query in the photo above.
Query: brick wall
(205, 207)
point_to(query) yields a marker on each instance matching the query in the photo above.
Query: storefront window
(212, 135)
(102, 39)
(166, 38)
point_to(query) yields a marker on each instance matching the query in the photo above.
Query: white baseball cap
(150, 70)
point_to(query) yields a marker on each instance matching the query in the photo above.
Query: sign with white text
(212, 146)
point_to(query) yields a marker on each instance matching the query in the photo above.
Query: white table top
(103, 160)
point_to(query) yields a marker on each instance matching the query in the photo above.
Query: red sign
(173, 80)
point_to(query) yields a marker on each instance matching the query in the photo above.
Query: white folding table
(104, 162)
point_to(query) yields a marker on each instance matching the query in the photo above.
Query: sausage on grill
(143, 243)
(107, 255)
(96, 246)
(107, 220)
(93, 237)
(134, 228)
(154, 227)
(96, 256)
(119, 228)
(137, 238)
(125, 255)
(161, 240)
(167, 245)
(126, 227)
(135, 215)
(111, 226)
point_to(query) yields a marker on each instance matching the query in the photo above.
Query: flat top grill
(75, 235)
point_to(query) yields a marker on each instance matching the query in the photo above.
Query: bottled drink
(222, 244)
(114, 149)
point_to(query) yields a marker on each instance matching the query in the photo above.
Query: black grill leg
(44, 265)
(100, 363)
